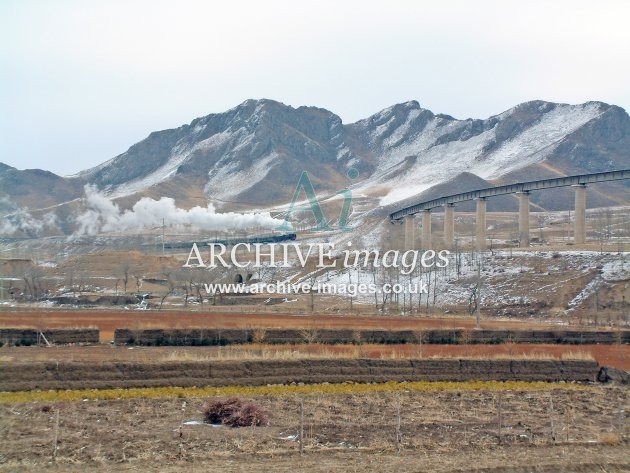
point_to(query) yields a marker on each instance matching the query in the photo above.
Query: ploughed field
(556, 427)
(426, 423)
(617, 356)
(107, 321)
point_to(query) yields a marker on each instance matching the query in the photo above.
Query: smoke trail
(19, 220)
(103, 215)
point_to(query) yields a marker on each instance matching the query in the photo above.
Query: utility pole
(163, 237)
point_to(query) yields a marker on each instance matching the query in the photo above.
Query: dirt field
(554, 429)
(559, 427)
(617, 356)
(107, 321)
(21, 376)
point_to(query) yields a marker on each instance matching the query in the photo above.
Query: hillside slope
(251, 156)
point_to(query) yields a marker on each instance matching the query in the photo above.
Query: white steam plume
(21, 221)
(103, 215)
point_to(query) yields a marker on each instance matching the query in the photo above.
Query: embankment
(18, 376)
(216, 336)
(27, 337)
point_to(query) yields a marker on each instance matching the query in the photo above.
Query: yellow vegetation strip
(335, 388)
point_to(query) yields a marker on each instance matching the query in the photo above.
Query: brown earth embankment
(17, 376)
(27, 337)
(215, 336)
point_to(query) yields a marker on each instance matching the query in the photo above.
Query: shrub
(610, 438)
(258, 335)
(219, 410)
(233, 412)
(249, 415)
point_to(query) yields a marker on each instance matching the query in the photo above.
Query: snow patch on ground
(585, 293)
(616, 271)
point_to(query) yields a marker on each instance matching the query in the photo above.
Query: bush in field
(250, 415)
(234, 413)
(217, 411)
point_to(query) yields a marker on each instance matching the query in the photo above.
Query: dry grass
(439, 430)
(264, 352)
(274, 390)
(610, 438)
(570, 355)
(608, 355)
(321, 351)
(226, 317)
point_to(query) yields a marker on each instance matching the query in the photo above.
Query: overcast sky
(80, 81)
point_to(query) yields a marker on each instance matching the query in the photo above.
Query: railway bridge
(521, 189)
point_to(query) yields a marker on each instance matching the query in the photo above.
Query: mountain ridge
(252, 155)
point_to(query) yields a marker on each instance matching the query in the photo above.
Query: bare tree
(124, 274)
(472, 299)
(138, 280)
(197, 283)
(309, 335)
(170, 285)
(69, 280)
(33, 283)
(184, 280)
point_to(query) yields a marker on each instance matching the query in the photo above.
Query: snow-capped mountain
(416, 149)
(256, 151)
(252, 155)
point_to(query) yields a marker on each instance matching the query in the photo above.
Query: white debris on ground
(200, 422)
(616, 271)
(585, 293)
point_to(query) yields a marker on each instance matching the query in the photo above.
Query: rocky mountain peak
(253, 154)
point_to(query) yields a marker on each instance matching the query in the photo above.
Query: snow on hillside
(616, 271)
(438, 163)
(401, 132)
(401, 150)
(230, 180)
(433, 165)
(181, 152)
(534, 143)
(417, 144)
(517, 278)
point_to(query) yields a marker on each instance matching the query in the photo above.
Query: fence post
(398, 424)
(56, 435)
(301, 427)
(500, 416)
(551, 420)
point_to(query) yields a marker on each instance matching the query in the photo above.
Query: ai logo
(305, 184)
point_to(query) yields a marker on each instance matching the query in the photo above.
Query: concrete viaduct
(521, 189)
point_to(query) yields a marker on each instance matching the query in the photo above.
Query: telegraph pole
(163, 237)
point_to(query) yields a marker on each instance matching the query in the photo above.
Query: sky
(80, 81)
